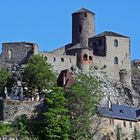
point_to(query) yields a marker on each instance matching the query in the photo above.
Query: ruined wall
(10, 109)
(17, 52)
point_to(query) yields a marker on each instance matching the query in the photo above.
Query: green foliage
(56, 119)
(4, 77)
(82, 98)
(20, 126)
(6, 129)
(118, 132)
(136, 134)
(38, 74)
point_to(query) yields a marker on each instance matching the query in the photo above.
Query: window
(85, 14)
(85, 57)
(121, 111)
(10, 53)
(130, 124)
(62, 59)
(116, 43)
(54, 59)
(90, 58)
(124, 123)
(115, 60)
(111, 121)
(80, 28)
(70, 60)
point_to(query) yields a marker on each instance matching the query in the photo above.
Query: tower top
(83, 10)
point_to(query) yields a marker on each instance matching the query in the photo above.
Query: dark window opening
(130, 124)
(116, 60)
(124, 123)
(85, 14)
(62, 59)
(121, 111)
(80, 28)
(70, 60)
(85, 57)
(116, 43)
(54, 59)
(111, 121)
(90, 58)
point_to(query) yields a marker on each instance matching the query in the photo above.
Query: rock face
(136, 82)
(10, 109)
(116, 92)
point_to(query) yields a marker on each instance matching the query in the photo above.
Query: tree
(118, 132)
(38, 74)
(4, 77)
(82, 98)
(56, 119)
(136, 134)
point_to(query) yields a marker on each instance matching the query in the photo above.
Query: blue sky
(48, 22)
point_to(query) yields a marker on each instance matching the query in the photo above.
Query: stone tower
(82, 26)
(85, 59)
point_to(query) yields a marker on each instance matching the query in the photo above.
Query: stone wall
(60, 62)
(10, 109)
(17, 52)
(103, 126)
(82, 27)
(122, 52)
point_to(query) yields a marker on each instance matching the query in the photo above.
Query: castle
(108, 51)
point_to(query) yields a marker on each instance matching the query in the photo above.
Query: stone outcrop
(115, 91)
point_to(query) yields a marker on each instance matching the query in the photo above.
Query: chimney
(109, 104)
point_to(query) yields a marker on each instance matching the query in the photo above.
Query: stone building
(108, 51)
(17, 52)
(117, 120)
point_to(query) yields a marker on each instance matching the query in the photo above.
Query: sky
(48, 22)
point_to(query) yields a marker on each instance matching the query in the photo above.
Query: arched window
(116, 60)
(62, 59)
(116, 43)
(90, 58)
(54, 59)
(10, 54)
(85, 57)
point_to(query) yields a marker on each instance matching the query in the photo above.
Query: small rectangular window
(111, 121)
(130, 124)
(85, 14)
(80, 28)
(124, 123)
